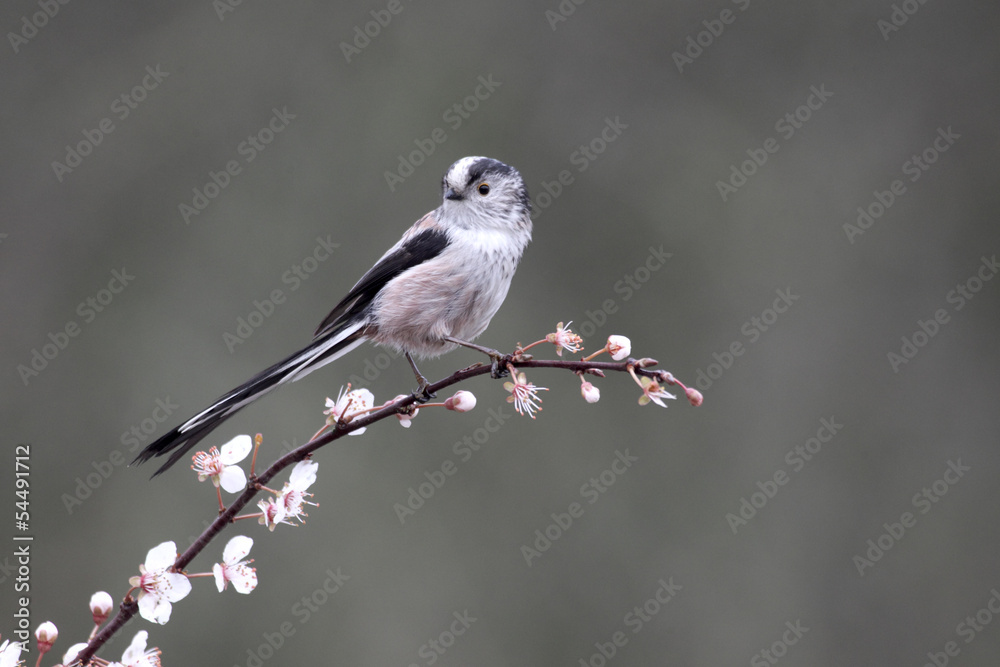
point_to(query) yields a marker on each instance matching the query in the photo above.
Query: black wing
(422, 246)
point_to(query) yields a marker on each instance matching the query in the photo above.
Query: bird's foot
(423, 393)
(498, 369)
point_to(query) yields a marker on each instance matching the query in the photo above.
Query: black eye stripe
(487, 167)
(474, 176)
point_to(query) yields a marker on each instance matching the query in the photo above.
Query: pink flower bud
(100, 606)
(619, 347)
(46, 635)
(590, 393)
(462, 401)
(694, 396)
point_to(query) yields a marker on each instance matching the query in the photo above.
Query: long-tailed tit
(437, 288)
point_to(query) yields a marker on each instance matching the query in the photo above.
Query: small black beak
(451, 194)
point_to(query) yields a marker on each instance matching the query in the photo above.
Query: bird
(436, 289)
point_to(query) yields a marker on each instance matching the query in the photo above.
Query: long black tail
(321, 351)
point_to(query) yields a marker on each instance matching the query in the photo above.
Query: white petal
(220, 576)
(468, 400)
(176, 587)
(303, 475)
(161, 557)
(360, 399)
(359, 431)
(236, 450)
(70, 654)
(244, 579)
(237, 549)
(136, 648)
(233, 479)
(154, 608)
(367, 398)
(11, 653)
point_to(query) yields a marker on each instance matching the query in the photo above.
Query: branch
(129, 607)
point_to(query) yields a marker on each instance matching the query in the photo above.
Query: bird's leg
(496, 370)
(421, 393)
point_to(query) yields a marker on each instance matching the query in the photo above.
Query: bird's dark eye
(484, 189)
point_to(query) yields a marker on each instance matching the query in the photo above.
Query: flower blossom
(234, 569)
(405, 418)
(564, 339)
(136, 654)
(10, 653)
(159, 587)
(287, 507)
(523, 394)
(347, 405)
(272, 513)
(221, 466)
(294, 493)
(652, 391)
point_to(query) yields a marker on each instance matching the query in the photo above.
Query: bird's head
(483, 192)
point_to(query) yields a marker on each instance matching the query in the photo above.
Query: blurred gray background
(873, 551)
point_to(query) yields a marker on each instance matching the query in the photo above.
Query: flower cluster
(286, 506)
(524, 394)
